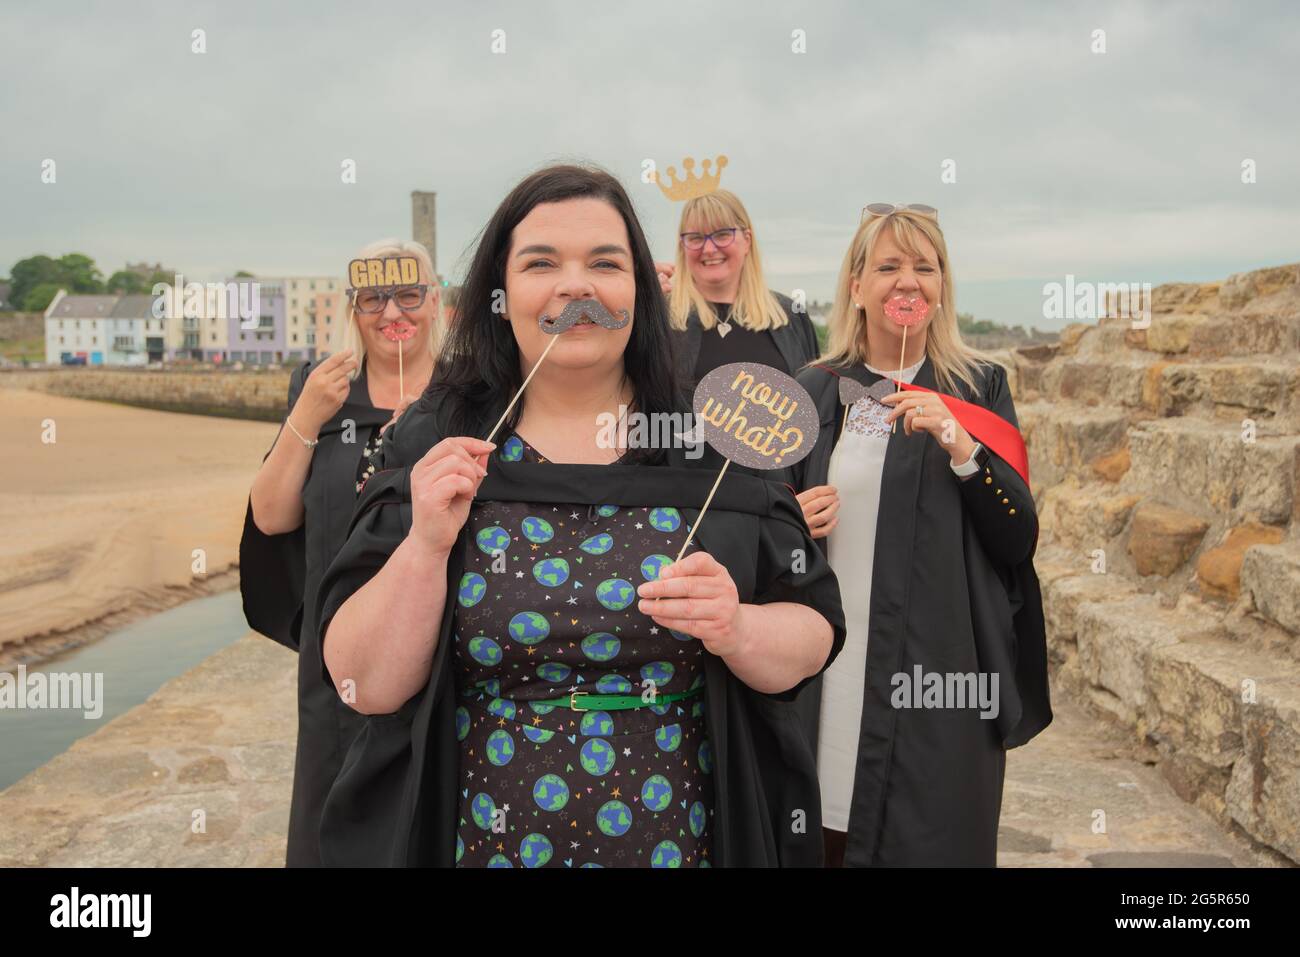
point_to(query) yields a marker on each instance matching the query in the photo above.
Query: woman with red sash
(918, 492)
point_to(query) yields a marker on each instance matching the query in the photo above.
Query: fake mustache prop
(579, 311)
(584, 310)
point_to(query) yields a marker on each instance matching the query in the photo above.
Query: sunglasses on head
(407, 298)
(884, 209)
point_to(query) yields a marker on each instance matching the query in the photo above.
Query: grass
(32, 349)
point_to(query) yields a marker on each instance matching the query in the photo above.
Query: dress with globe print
(547, 606)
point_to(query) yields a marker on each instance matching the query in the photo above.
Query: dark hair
(478, 367)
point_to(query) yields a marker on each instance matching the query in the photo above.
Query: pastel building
(302, 325)
(263, 342)
(204, 337)
(331, 310)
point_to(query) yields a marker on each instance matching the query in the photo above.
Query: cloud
(1067, 161)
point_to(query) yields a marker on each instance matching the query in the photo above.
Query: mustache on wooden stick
(580, 309)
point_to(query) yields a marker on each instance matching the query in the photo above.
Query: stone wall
(1165, 463)
(21, 325)
(251, 394)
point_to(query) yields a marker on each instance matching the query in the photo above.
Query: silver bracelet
(310, 443)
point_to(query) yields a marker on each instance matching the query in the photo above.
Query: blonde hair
(755, 307)
(382, 249)
(952, 359)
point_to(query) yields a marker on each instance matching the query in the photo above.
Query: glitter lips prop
(399, 330)
(905, 311)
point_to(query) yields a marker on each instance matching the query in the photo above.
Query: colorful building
(262, 342)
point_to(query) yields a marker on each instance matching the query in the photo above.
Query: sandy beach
(101, 524)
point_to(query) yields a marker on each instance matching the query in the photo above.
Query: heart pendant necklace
(723, 329)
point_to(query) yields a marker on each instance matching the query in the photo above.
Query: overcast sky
(1122, 166)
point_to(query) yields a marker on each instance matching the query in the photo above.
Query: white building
(78, 327)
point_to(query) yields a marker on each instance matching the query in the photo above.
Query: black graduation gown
(796, 341)
(954, 590)
(278, 579)
(395, 801)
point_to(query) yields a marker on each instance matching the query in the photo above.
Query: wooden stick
(845, 424)
(902, 352)
(696, 527)
(401, 389)
(554, 338)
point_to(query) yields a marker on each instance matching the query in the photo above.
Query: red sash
(988, 428)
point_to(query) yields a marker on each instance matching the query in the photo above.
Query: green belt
(615, 702)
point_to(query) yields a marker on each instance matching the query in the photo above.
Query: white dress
(855, 471)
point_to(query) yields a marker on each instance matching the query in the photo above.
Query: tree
(969, 325)
(81, 274)
(128, 283)
(75, 272)
(39, 297)
(244, 274)
(29, 273)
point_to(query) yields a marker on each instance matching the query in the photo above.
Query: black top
(731, 342)
(795, 344)
(278, 578)
(398, 797)
(953, 592)
(546, 607)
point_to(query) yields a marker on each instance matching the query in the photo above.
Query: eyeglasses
(884, 209)
(720, 237)
(407, 298)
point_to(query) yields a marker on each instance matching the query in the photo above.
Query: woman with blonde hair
(919, 496)
(302, 498)
(720, 305)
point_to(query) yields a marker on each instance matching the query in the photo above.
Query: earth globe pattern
(544, 785)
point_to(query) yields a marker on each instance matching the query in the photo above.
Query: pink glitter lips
(907, 310)
(398, 331)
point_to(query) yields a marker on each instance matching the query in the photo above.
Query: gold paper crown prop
(691, 185)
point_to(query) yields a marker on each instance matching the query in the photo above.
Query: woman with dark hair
(525, 708)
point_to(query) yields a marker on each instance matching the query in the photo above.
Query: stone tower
(424, 223)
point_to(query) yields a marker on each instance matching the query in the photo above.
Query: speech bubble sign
(755, 415)
(389, 271)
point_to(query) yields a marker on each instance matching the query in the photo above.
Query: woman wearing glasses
(303, 495)
(720, 304)
(920, 499)
(547, 686)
